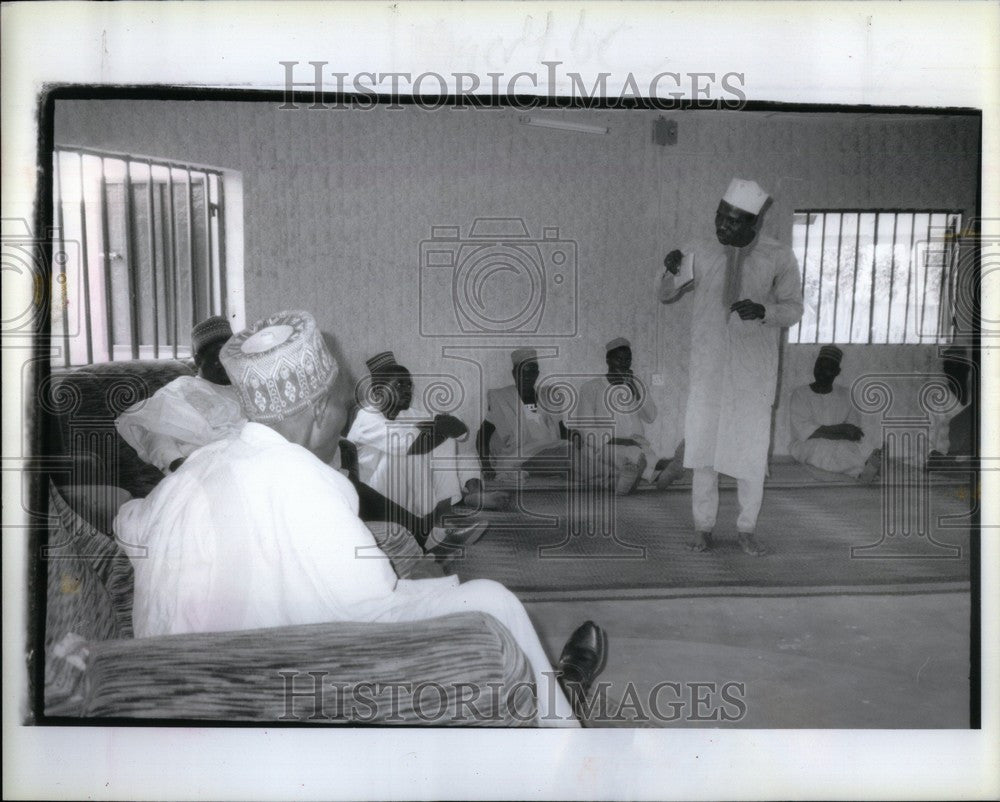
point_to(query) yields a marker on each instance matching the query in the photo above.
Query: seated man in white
(824, 424)
(189, 412)
(258, 531)
(410, 457)
(611, 414)
(519, 435)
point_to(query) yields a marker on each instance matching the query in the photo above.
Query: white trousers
(705, 500)
(415, 600)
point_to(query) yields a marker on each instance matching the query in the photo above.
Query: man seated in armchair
(259, 531)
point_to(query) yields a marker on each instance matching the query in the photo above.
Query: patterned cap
(209, 331)
(381, 361)
(520, 355)
(831, 352)
(745, 195)
(279, 366)
(617, 342)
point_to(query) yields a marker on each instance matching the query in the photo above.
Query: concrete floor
(884, 661)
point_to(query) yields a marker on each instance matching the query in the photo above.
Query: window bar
(945, 302)
(85, 263)
(909, 276)
(173, 260)
(822, 253)
(133, 291)
(927, 266)
(805, 259)
(892, 276)
(62, 291)
(208, 247)
(106, 254)
(152, 262)
(836, 281)
(854, 281)
(220, 220)
(190, 230)
(871, 298)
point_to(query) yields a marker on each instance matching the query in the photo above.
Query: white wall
(336, 204)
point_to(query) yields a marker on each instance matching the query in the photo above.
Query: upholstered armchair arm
(463, 669)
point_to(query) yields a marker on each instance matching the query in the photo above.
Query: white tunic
(256, 532)
(734, 362)
(179, 418)
(522, 431)
(808, 411)
(417, 482)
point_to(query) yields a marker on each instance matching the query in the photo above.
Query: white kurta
(601, 404)
(734, 363)
(417, 482)
(256, 532)
(808, 411)
(179, 418)
(522, 431)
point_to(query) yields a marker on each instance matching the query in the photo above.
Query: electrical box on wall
(664, 131)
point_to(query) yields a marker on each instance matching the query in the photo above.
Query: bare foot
(702, 542)
(750, 545)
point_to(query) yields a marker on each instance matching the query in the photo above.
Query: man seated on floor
(409, 457)
(951, 435)
(190, 411)
(824, 423)
(519, 435)
(619, 401)
(258, 531)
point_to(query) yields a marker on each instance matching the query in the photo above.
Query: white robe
(521, 432)
(734, 362)
(179, 418)
(808, 411)
(601, 404)
(417, 482)
(254, 532)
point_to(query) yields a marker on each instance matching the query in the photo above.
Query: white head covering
(279, 365)
(745, 195)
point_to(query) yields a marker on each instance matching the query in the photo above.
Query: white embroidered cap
(279, 365)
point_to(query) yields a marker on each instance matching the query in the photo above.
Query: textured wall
(337, 204)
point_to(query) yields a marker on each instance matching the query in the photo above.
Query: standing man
(746, 290)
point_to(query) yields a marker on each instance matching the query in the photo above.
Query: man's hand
(673, 261)
(449, 426)
(748, 310)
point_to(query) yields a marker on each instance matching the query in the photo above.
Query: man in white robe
(825, 424)
(190, 411)
(258, 531)
(746, 289)
(408, 456)
(612, 412)
(519, 434)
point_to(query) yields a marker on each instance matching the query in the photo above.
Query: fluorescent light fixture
(564, 125)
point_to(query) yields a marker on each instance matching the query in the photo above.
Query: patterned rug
(571, 543)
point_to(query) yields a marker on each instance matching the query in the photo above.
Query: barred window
(137, 257)
(876, 276)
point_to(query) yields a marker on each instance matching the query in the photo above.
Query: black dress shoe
(583, 657)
